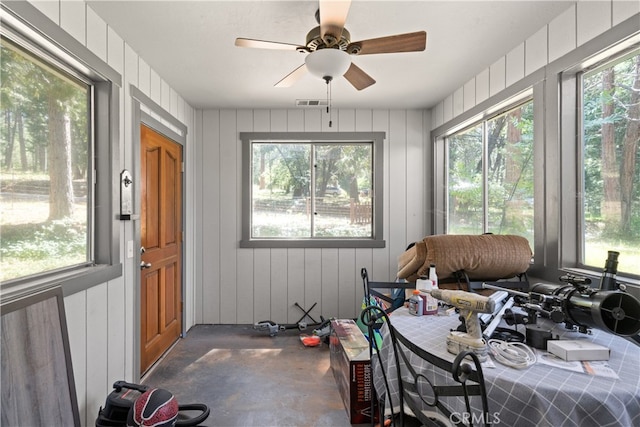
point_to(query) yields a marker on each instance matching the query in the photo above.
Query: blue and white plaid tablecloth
(537, 396)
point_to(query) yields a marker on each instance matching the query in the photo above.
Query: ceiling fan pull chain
(328, 80)
(328, 103)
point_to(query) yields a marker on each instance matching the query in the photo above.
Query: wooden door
(161, 239)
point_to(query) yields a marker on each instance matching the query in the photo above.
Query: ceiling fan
(328, 47)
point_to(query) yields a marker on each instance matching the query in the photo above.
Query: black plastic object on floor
(124, 395)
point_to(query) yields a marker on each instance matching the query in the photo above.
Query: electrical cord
(514, 354)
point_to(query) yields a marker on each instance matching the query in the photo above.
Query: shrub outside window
(310, 189)
(490, 176)
(610, 173)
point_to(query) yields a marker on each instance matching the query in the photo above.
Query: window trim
(560, 248)
(23, 19)
(572, 240)
(555, 215)
(505, 107)
(376, 137)
(518, 93)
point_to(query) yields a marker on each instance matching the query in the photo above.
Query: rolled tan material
(481, 257)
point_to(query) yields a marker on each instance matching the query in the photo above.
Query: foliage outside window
(311, 190)
(490, 176)
(45, 168)
(611, 163)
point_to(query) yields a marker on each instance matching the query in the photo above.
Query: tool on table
(578, 306)
(469, 304)
(493, 325)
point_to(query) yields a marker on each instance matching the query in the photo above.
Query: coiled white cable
(514, 354)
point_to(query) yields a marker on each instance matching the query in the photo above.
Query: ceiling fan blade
(409, 42)
(291, 78)
(333, 15)
(358, 78)
(262, 44)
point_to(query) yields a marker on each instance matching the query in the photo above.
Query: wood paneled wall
(577, 25)
(101, 320)
(244, 286)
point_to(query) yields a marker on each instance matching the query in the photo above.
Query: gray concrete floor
(248, 378)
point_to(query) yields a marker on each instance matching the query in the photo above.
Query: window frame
(482, 122)
(573, 241)
(26, 25)
(529, 87)
(376, 138)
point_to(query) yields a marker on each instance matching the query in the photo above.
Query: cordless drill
(469, 304)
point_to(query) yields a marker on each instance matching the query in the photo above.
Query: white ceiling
(190, 44)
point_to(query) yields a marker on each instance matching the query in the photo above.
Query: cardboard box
(577, 350)
(351, 366)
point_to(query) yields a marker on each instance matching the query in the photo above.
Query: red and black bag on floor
(138, 405)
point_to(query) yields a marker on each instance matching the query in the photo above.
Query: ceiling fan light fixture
(328, 63)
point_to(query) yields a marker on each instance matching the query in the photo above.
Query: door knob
(144, 265)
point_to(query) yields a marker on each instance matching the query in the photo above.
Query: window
(44, 142)
(490, 175)
(312, 190)
(58, 136)
(610, 172)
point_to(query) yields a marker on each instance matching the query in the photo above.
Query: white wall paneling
(562, 34)
(50, 8)
(144, 77)
(72, 19)
(165, 97)
(295, 284)
(278, 279)
(497, 76)
(263, 284)
(236, 266)
(417, 168)
(75, 307)
(593, 18)
(482, 86)
(438, 115)
(515, 65)
(380, 270)
(96, 34)
(469, 92)
(363, 257)
(623, 9)
(536, 51)
(97, 347)
(209, 285)
(458, 101)
(397, 199)
(155, 87)
(448, 108)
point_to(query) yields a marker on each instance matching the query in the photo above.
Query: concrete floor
(248, 378)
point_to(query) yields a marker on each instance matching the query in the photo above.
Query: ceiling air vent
(311, 103)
